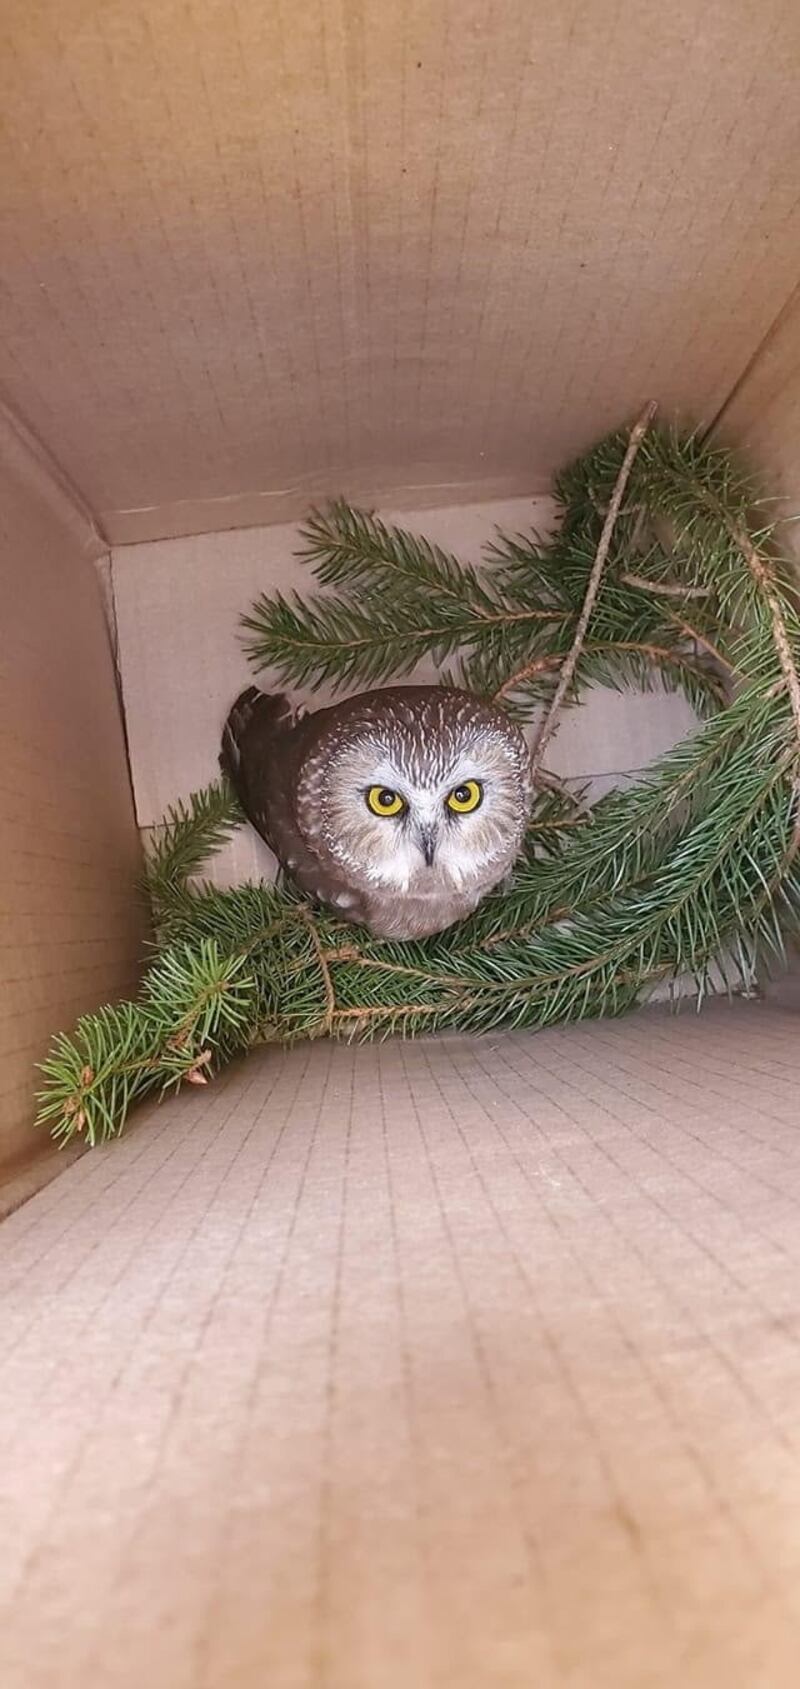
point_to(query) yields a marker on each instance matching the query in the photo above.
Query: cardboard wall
(763, 414)
(178, 602)
(71, 925)
(251, 253)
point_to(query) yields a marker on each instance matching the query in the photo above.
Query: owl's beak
(426, 838)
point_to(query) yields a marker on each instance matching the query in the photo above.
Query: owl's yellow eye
(466, 797)
(383, 801)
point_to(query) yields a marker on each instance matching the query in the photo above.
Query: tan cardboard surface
(763, 416)
(71, 925)
(462, 1364)
(254, 253)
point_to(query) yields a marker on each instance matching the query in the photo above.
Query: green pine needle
(694, 869)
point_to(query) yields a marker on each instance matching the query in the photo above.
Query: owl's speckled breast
(411, 917)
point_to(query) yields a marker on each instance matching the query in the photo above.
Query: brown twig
(762, 574)
(398, 1011)
(549, 782)
(641, 518)
(664, 589)
(323, 1028)
(578, 820)
(593, 588)
(656, 653)
(706, 644)
(568, 668)
(478, 617)
(538, 666)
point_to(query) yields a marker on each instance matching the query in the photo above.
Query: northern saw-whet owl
(401, 808)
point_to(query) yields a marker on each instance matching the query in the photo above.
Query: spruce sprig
(693, 869)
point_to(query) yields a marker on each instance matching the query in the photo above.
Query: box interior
(379, 1367)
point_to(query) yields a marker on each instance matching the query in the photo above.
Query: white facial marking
(388, 852)
(421, 743)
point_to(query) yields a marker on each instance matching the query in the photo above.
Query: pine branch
(197, 1006)
(339, 641)
(354, 548)
(93, 1075)
(699, 859)
(664, 589)
(189, 834)
(402, 599)
(545, 731)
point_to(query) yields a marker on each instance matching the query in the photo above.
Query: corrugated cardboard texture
(763, 416)
(464, 1364)
(253, 252)
(71, 927)
(178, 604)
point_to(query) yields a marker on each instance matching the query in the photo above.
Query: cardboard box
(525, 1410)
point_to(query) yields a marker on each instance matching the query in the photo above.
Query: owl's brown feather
(264, 746)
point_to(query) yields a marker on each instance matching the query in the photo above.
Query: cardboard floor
(459, 1364)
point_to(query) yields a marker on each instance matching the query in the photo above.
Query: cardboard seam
(781, 316)
(235, 511)
(114, 643)
(383, 494)
(39, 465)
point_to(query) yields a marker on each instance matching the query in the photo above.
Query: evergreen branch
(528, 672)
(196, 1004)
(693, 633)
(337, 641)
(355, 548)
(764, 576)
(545, 730)
(614, 662)
(631, 829)
(701, 858)
(188, 835)
(664, 589)
(326, 1019)
(93, 1075)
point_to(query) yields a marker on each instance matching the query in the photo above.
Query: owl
(400, 808)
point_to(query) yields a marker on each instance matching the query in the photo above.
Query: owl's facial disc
(421, 827)
(409, 810)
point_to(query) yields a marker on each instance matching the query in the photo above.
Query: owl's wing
(263, 747)
(260, 758)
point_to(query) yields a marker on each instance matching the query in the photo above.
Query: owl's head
(420, 788)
